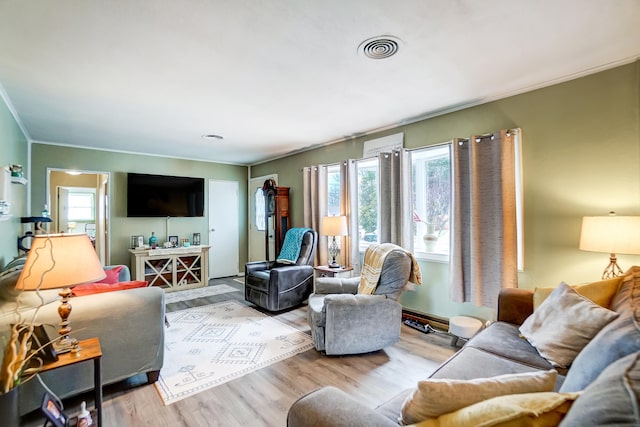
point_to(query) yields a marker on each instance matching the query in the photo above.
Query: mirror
(78, 203)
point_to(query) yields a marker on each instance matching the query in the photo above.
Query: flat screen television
(163, 196)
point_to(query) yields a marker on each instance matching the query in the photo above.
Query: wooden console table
(173, 268)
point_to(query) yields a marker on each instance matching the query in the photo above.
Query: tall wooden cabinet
(276, 217)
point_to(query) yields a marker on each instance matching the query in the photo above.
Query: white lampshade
(334, 226)
(611, 234)
(59, 261)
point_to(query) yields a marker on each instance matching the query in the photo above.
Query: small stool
(463, 327)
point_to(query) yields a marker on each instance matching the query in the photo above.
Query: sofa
(129, 324)
(602, 381)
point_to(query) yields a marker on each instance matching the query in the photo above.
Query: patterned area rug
(206, 291)
(209, 345)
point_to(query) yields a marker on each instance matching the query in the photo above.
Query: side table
(89, 350)
(325, 271)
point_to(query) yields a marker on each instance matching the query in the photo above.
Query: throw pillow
(563, 324)
(601, 292)
(435, 397)
(98, 288)
(112, 275)
(613, 399)
(530, 409)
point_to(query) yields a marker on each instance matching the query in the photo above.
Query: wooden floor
(262, 398)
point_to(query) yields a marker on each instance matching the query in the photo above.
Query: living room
(580, 150)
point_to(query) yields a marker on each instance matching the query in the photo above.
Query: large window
(431, 168)
(368, 212)
(333, 190)
(81, 206)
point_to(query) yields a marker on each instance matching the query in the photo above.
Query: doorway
(78, 203)
(223, 228)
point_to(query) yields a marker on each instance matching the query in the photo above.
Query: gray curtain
(395, 198)
(314, 181)
(349, 207)
(484, 241)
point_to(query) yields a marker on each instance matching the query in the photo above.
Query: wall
(117, 165)
(581, 156)
(13, 150)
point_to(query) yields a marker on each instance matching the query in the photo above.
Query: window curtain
(483, 242)
(314, 183)
(395, 198)
(350, 244)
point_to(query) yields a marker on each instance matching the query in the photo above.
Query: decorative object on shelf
(613, 235)
(153, 240)
(174, 241)
(84, 418)
(53, 411)
(60, 261)
(45, 212)
(185, 243)
(16, 170)
(137, 241)
(196, 239)
(334, 226)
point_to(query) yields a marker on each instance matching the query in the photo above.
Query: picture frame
(174, 241)
(42, 341)
(52, 410)
(42, 344)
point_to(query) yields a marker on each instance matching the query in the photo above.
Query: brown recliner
(275, 286)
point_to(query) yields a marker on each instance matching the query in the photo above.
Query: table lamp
(613, 235)
(334, 226)
(60, 261)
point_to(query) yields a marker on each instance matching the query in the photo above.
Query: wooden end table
(326, 271)
(89, 350)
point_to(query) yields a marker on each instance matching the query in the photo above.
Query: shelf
(172, 269)
(19, 180)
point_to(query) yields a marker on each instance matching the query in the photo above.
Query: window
(431, 169)
(258, 207)
(333, 190)
(81, 206)
(368, 212)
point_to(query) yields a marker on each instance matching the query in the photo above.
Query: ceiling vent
(379, 47)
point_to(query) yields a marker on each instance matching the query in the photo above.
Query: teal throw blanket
(291, 246)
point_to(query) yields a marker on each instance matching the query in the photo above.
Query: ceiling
(279, 76)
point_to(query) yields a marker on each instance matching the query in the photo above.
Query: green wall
(581, 156)
(14, 151)
(118, 164)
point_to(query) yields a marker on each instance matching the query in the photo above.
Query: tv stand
(174, 268)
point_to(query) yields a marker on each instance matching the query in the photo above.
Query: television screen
(161, 196)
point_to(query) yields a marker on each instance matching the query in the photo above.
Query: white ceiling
(278, 76)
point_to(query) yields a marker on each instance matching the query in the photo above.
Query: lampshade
(611, 234)
(59, 261)
(334, 226)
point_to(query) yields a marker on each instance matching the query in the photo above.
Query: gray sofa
(128, 323)
(607, 370)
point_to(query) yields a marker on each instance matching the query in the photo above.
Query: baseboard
(436, 322)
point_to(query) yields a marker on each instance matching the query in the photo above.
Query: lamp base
(613, 269)
(333, 264)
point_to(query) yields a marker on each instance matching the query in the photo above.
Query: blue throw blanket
(291, 246)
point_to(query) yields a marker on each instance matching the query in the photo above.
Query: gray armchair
(275, 286)
(345, 322)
